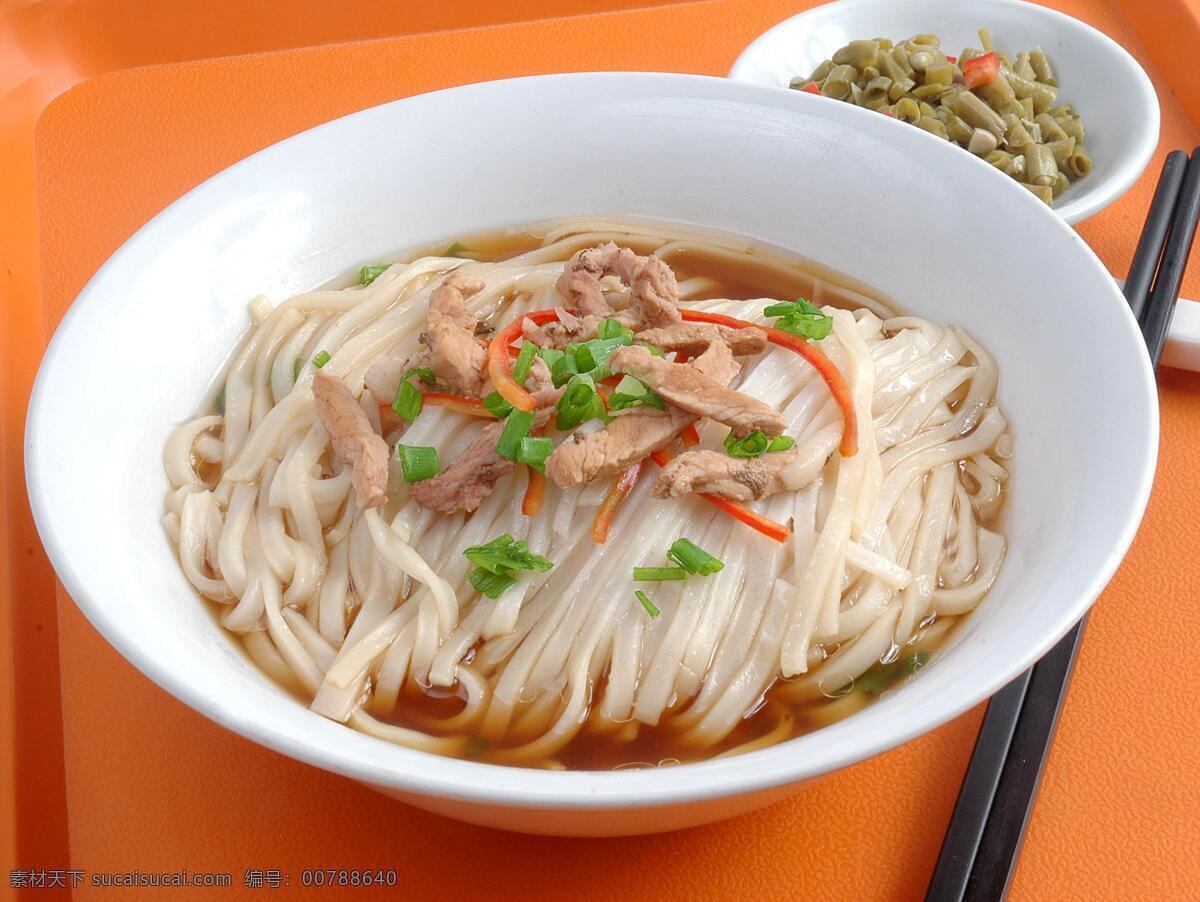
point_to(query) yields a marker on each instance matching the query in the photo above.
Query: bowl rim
(1089, 202)
(425, 774)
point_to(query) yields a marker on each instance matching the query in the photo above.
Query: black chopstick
(987, 827)
(1154, 232)
(1156, 319)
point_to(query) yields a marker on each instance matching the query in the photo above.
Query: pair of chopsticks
(979, 853)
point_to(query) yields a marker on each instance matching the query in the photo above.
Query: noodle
(369, 615)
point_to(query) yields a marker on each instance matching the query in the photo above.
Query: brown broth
(604, 747)
(633, 744)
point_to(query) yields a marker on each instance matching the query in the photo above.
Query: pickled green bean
(1044, 193)
(1041, 68)
(837, 83)
(1022, 66)
(1010, 116)
(1040, 165)
(1001, 159)
(931, 124)
(875, 95)
(977, 113)
(1079, 163)
(1062, 149)
(858, 54)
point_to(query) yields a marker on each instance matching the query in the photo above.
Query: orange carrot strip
(472, 406)
(499, 367)
(767, 527)
(822, 364)
(690, 436)
(612, 501)
(535, 494)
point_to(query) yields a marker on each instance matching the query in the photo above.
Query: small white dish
(140, 347)
(1105, 84)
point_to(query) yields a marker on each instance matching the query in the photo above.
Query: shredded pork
(693, 338)
(448, 346)
(580, 282)
(653, 295)
(635, 434)
(355, 443)
(740, 479)
(464, 484)
(688, 387)
(458, 358)
(560, 333)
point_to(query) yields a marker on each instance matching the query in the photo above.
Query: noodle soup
(822, 567)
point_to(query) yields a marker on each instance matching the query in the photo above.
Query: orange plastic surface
(151, 785)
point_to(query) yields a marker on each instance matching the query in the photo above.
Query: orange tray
(111, 110)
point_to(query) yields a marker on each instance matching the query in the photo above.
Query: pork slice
(561, 332)
(539, 382)
(634, 434)
(693, 338)
(464, 484)
(740, 479)
(654, 293)
(624, 441)
(456, 355)
(355, 443)
(447, 304)
(689, 387)
(580, 282)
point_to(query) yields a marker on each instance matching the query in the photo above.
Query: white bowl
(895, 207)
(1106, 85)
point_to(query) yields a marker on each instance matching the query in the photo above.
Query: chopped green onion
(534, 451)
(524, 361)
(497, 561)
(321, 359)
(551, 356)
(577, 404)
(658, 574)
(369, 274)
(694, 559)
(655, 350)
(564, 367)
(409, 400)
(497, 406)
(492, 585)
(612, 328)
(503, 554)
(516, 427)
(756, 443)
(631, 392)
(647, 604)
(418, 462)
(592, 356)
(801, 318)
(752, 445)
(477, 746)
(883, 676)
(456, 249)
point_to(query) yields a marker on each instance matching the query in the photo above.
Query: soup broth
(899, 582)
